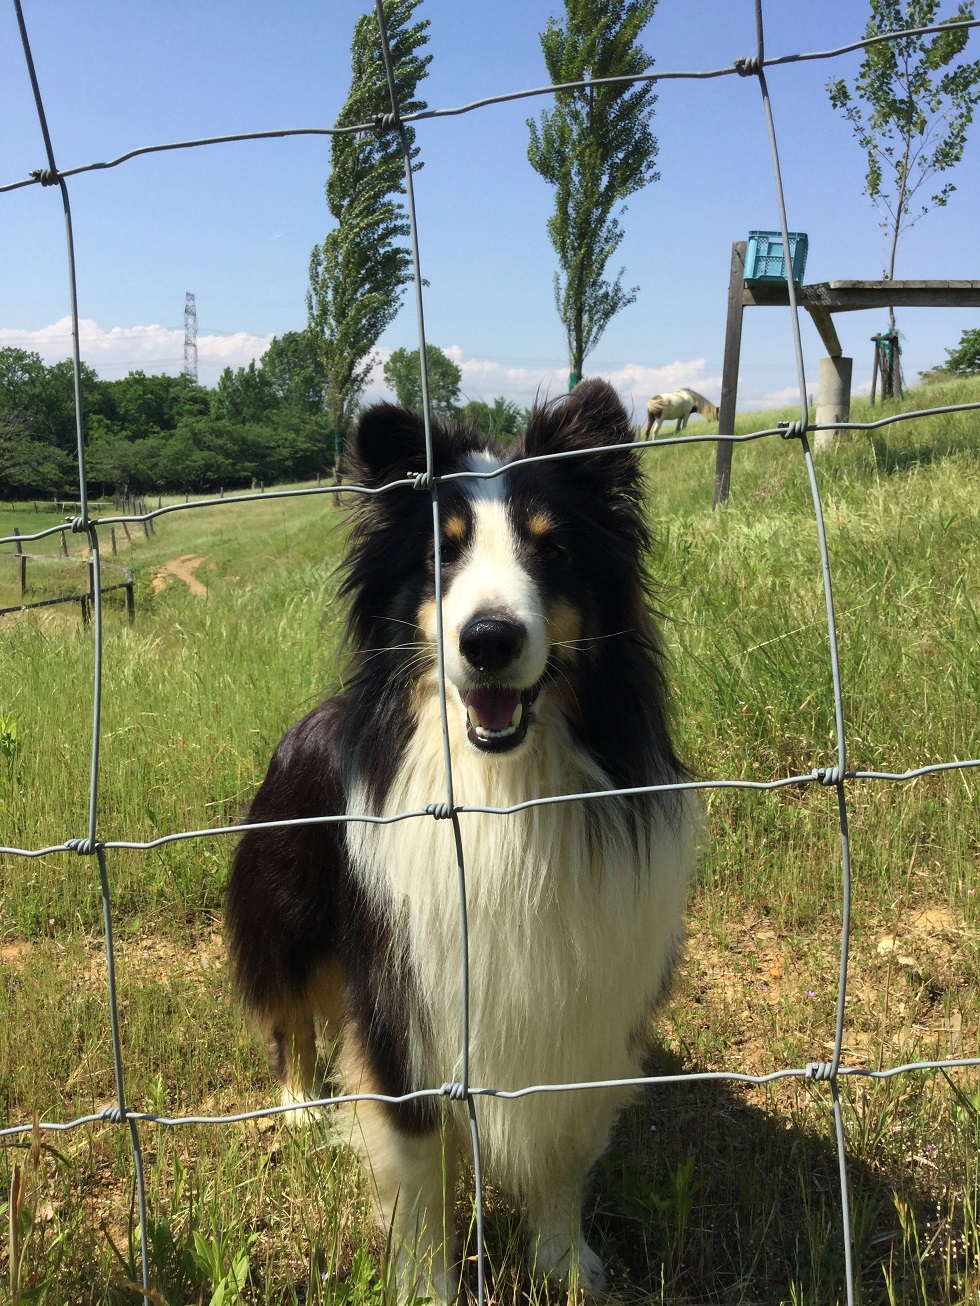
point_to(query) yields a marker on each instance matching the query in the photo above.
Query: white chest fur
(570, 936)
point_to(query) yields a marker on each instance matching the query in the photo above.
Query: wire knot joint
(84, 847)
(455, 1092)
(792, 430)
(421, 480)
(386, 122)
(827, 775)
(820, 1070)
(46, 176)
(748, 65)
(78, 524)
(440, 811)
(114, 1114)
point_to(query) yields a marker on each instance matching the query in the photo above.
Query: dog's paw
(300, 1115)
(578, 1268)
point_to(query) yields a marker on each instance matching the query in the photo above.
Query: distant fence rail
(86, 599)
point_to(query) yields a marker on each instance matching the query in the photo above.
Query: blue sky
(235, 223)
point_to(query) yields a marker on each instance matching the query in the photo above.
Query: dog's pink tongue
(494, 706)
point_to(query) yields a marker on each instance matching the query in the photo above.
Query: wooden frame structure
(821, 301)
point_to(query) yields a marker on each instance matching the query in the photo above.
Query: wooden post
(146, 528)
(112, 538)
(129, 538)
(729, 376)
(130, 598)
(22, 562)
(874, 370)
(64, 545)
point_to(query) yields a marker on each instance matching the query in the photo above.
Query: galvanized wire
(46, 177)
(838, 776)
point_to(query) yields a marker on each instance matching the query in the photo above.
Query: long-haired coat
(351, 931)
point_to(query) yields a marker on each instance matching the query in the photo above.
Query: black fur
(294, 902)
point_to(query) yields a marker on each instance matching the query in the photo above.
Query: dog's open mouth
(497, 716)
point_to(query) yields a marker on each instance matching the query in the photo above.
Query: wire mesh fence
(96, 845)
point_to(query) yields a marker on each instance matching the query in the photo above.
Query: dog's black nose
(491, 643)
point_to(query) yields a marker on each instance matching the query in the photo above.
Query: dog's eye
(449, 550)
(550, 549)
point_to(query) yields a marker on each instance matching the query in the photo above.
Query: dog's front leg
(557, 1249)
(412, 1178)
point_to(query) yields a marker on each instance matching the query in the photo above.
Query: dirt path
(183, 568)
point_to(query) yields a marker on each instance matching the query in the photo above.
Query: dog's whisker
(585, 640)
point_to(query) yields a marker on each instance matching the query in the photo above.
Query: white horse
(680, 404)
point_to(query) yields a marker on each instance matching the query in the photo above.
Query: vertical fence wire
(834, 659)
(89, 845)
(429, 481)
(835, 777)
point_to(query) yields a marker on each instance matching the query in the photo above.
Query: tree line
(268, 422)
(265, 422)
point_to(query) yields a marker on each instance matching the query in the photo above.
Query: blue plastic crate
(765, 259)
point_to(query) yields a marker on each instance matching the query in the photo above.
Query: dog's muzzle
(497, 714)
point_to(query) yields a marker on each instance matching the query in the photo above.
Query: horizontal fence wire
(839, 776)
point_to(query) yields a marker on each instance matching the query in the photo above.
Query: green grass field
(714, 1192)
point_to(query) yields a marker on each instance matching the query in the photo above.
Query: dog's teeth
(515, 720)
(472, 718)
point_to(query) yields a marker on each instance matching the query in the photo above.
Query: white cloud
(485, 378)
(117, 350)
(750, 399)
(152, 349)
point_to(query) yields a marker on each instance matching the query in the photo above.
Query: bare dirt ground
(182, 568)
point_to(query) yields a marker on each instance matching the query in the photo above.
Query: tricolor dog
(345, 937)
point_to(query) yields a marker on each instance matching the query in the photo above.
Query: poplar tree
(910, 108)
(596, 149)
(358, 274)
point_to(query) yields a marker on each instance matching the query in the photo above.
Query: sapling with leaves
(910, 107)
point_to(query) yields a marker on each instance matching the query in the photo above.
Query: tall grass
(711, 1193)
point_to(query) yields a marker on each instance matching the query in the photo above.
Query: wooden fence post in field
(130, 597)
(729, 379)
(22, 561)
(64, 545)
(146, 528)
(112, 538)
(129, 538)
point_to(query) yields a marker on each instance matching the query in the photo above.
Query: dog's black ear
(389, 443)
(589, 415)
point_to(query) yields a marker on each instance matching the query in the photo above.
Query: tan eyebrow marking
(454, 528)
(539, 524)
